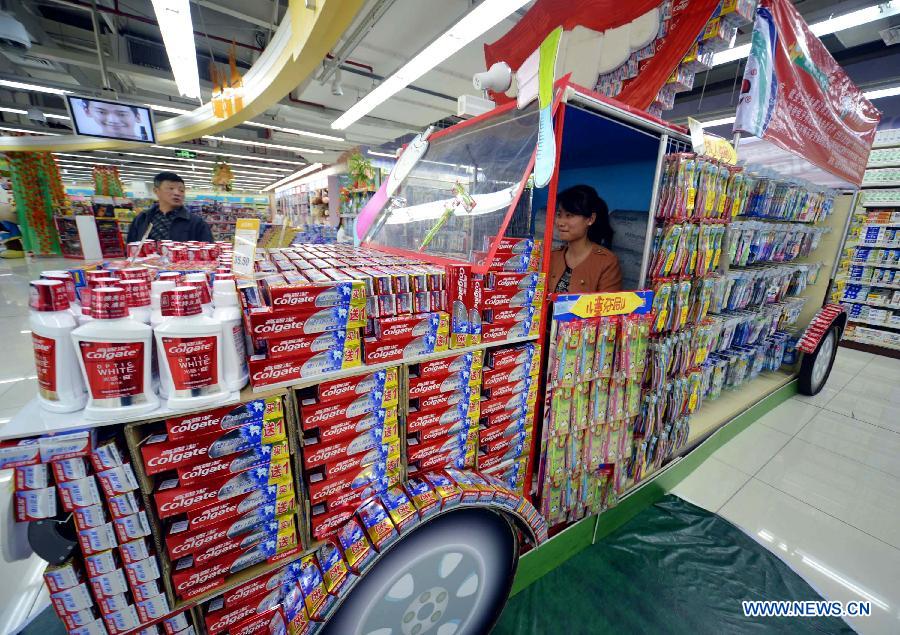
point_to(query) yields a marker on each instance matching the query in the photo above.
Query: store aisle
(817, 482)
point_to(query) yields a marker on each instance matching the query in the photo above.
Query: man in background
(170, 219)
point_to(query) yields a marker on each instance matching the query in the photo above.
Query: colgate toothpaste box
(510, 245)
(372, 439)
(108, 454)
(58, 577)
(505, 417)
(131, 527)
(377, 352)
(400, 509)
(508, 316)
(505, 443)
(503, 332)
(75, 621)
(474, 488)
(33, 477)
(269, 622)
(113, 603)
(122, 505)
(459, 398)
(78, 494)
(325, 525)
(341, 389)
(281, 497)
(70, 469)
(152, 608)
(315, 415)
(506, 281)
(513, 428)
(117, 480)
(67, 445)
(142, 571)
(451, 364)
(187, 577)
(72, 600)
(172, 498)
(220, 618)
(277, 529)
(233, 464)
(496, 299)
(417, 421)
(449, 493)
(427, 386)
(349, 499)
(93, 628)
(423, 497)
(225, 419)
(377, 525)
(122, 621)
(514, 374)
(355, 546)
(264, 324)
(112, 583)
(176, 624)
(340, 485)
(386, 453)
(19, 452)
(302, 347)
(182, 541)
(521, 354)
(488, 461)
(438, 432)
(407, 327)
(35, 504)
(456, 441)
(100, 563)
(333, 431)
(146, 590)
(267, 372)
(309, 298)
(160, 454)
(315, 595)
(134, 551)
(458, 458)
(520, 387)
(497, 405)
(335, 574)
(260, 586)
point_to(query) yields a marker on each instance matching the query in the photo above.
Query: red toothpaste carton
(35, 504)
(142, 571)
(19, 452)
(107, 584)
(131, 527)
(520, 387)
(504, 443)
(355, 546)
(349, 499)
(78, 494)
(333, 431)
(107, 455)
(438, 432)
(495, 299)
(399, 508)
(507, 281)
(455, 442)
(267, 325)
(377, 351)
(81, 621)
(327, 524)
(219, 619)
(459, 458)
(225, 419)
(173, 499)
(134, 551)
(339, 485)
(512, 429)
(70, 469)
(427, 386)
(407, 327)
(503, 332)
(240, 505)
(508, 316)
(417, 421)
(364, 443)
(335, 574)
(341, 389)
(72, 600)
(113, 603)
(267, 531)
(67, 445)
(160, 454)
(454, 363)
(261, 585)
(181, 540)
(302, 347)
(152, 608)
(33, 477)
(117, 480)
(493, 378)
(58, 577)
(267, 372)
(514, 356)
(271, 621)
(442, 400)
(233, 464)
(146, 590)
(447, 490)
(314, 414)
(176, 624)
(387, 454)
(489, 461)
(315, 595)
(309, 298)
(122, 621)
(474, 488)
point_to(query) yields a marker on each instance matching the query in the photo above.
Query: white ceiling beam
(218, 8)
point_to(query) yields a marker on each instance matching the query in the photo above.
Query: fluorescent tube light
(717, 122)
(882, 92)
(471, 26)
(6, 83)
(381, 154)
(51, 134)
(293, 177)
(262, 144)
(824, 27)
(168, 109)
(174, 17)
(217, 153)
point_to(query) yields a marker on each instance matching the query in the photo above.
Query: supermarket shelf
(32, 420)
(876, 245)
(897, 224)
(866, 283)
(882, 305)
(872, 342)
(363, 369)
(881, 203)
(880, 184)
(884, 325)
(868, 263)
(886, 164)
(732, 402)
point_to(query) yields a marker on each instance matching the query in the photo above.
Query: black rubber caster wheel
(816, 367)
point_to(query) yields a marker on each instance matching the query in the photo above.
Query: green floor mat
(673, 568)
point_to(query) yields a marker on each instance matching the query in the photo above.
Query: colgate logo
(324, 455)
(273, 373)
(218, 550)
(40, 346)
(324, 414)
(291, 346)
(385, 353)
(242, 593)
(197, 541)
(204, 470)
(293, 300)
(211, 513)
(109, 354)
(186, 501)
(337, 389)
(177, 457)
(397, 329)
(202, 577)
(276, 328)
(191, 348)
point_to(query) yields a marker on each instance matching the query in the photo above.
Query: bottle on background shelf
(234, 352)
(60, 384)
(189, 348)
(114, 355)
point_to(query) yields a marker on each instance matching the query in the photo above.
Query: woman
(585, 264)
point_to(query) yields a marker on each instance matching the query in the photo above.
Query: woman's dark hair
(583, 200)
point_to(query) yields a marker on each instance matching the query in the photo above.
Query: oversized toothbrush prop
(545, 161)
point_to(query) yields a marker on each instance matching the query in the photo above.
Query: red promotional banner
(797, 97)
(688, 18)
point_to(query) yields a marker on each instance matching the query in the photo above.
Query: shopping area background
(402, 317)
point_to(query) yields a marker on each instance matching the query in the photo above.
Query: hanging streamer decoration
(39, 195)
(107, 181)
(222, 176)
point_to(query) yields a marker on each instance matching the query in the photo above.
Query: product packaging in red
(335, 574)
(100, 563)
(489, 461)
(302, 347)
(142, 571)
(331, 432)
(152, 608)
(19, 452)
(109, 604)
(240, 505)
(511, 429)
(386, 453)
(340, 389)
(508, 316)
(339, 486)
(422, 495)
(399, 507)
(503, 332)
(364, 443)
(268, 372)
(442, 400)
(112, 583)
(520, 387)
(132, 527)
(503, 444)
(72, 600)
(32, 477)
(135, 551)
(325, 525)
(437, 432)
(377, 351)
(456, 442)
(80, 493)
(417, 421)
(354, 545)
(70, 469)
(173, 499)
(264, 324)
(427, 386)
(314, 415)
(261, 585)
(450, 364)
(445, 488)
(122, 621)
(233, 464)
(309, 298)
(219, 618)
(262, 533)
(62, 576)
(77, 621)
(35, 504)
(407, 327)
(117, 480)
(268, 622)
(181, 540)
(506, 281)
(315, 595)
(223, 419)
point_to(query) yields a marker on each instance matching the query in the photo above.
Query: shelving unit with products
(867, 282)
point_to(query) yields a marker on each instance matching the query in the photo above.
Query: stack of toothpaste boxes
(351, 444)
(112, 585)
(223, 489)
(513, 292)
(322, 308)
(509, 389)
(443, 412)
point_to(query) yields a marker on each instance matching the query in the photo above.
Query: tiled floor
(817, 482)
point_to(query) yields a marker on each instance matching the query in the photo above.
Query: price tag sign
(246, 233)
(588, 305)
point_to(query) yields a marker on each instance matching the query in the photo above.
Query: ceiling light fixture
(160, 157)
(825, 27)
(717, 122)
(293, 177)
(6, 83)
(882, 92)
(302, 133)
(124, 163)
(251, 157)
(174, 17)
(472, 25)
(42, 132)
(262, 144)
(168, 109)
(375, 153)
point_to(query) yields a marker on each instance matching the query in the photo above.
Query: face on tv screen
(111, 120)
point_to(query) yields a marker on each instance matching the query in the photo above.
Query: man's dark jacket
(185, 226)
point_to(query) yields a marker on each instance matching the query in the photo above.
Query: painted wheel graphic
(450, 576)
